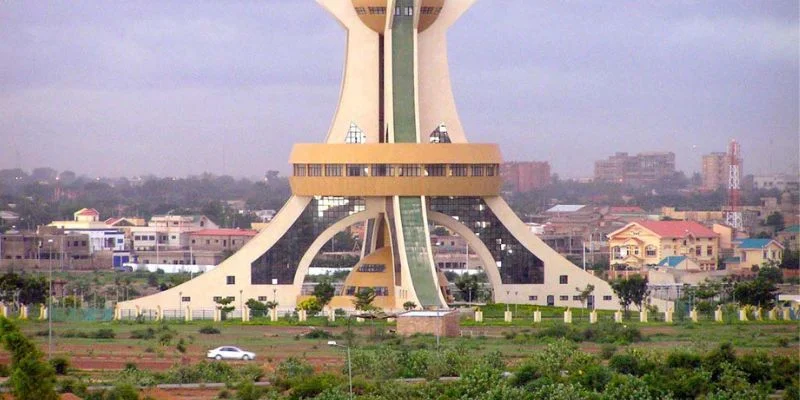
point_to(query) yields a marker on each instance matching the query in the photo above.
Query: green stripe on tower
(412, 221)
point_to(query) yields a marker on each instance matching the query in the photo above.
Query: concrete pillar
(718, 314)
(273, 314)
(787, 315)
(478, 316)
(593, 317)
(693, 315)
(23, 311)
(743, 314)
(3, 310)
(668, 316)
(568, 316)
(618, 316)
(42, 312)
(507, 316)
(772, 315)
(537, 316)
(331, 314)
(159, 314)
(643, 315)
(138, 311)
(217, 315)
(302, 315)
(245, 314)
(758, 314)
(188, 315)
(117, 313)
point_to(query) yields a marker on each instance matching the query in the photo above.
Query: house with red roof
(642, 244)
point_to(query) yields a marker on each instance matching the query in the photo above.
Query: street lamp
(349, 365)
(50, 303)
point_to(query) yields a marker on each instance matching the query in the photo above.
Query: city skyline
(133, 89)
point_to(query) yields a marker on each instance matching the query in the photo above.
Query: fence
(81, 314)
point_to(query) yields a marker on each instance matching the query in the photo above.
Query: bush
(209, 330)
(318, 334)
(310, 387)
(71, 385)
(607, 351)
(122, 392)
(60, 365)
(146, 334)
(104, 333)
(683, 359)
(4, 371)
(626, 364)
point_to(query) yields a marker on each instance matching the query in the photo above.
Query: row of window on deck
(396, 169)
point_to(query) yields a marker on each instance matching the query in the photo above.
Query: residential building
(524, 176)
(166, 232)
(780, 182)
(647, 243)
(789, 237)
(716, 171)
(220, 240)
(750, 253)
(638, 170)
(43, 246)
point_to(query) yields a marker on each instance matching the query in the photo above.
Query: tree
(31, 378)
(776, 221)
(257, 308)
(791, 259)
(224, 306)
(631, 291)
(409, 305)
(310, 306)
(468, 286)
(324, 292)
(364, 298)
(152, 279)
(583, 294)
(770, 273)
(758, 292)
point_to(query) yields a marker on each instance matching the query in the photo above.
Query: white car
(230, 353)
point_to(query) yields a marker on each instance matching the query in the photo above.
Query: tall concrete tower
(396, 158)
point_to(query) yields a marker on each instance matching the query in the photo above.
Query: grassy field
(274, 342)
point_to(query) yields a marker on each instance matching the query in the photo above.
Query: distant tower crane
(734, 214)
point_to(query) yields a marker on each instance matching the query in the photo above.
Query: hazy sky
(127, 88)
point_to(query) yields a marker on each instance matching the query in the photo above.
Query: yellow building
(755, 252)
(648, 243)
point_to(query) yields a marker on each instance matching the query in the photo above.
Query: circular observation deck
(396, 169)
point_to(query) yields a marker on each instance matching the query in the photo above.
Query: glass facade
(517, 265)
(281, 260)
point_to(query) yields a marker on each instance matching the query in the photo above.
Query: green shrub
(122, 392)
(318, 334)
(181, 346)
(209, 330)
(310, 387)
(4, 371)
(146, 334)
(607, 351)
(60, 365)
(104, 333)
(293, 367)
(248, 391)
(594, 377)
(626, 364)
(683, 359)
(72, 385)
